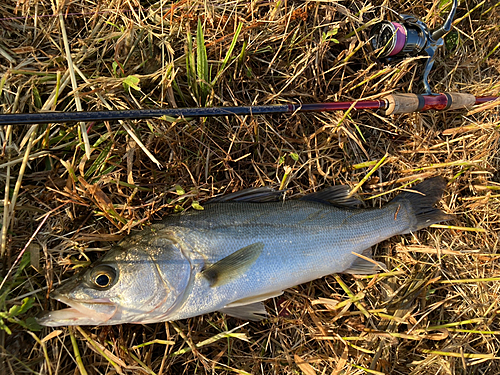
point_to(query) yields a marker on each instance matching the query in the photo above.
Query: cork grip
(459, 100)
(401, 103)
(407, 103)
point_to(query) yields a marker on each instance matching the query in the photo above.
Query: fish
(240, 250)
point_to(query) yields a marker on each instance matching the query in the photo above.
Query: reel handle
(445, 29)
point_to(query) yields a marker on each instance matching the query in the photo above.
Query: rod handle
(459, 100)
(401, 103)
(407, 103)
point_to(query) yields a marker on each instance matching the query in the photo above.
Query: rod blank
(391, 104)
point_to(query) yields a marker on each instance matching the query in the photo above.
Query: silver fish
(240, 250)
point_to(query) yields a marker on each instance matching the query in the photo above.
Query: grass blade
(202, 64)
(228, 53)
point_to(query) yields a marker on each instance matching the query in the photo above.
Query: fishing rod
(390, 104)
(408, 36)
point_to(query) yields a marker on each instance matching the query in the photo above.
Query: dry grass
(435, 312)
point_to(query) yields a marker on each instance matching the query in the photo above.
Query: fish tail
(421, 200)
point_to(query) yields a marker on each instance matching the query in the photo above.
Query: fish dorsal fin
(335, 195)
(233, 265)
(362, 266)
(254, 311)
(253, 195)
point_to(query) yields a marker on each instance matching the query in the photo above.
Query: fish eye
(103, 276)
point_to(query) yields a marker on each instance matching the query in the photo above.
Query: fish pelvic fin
(420, 200)
(232, 266)
(258, 298)
(250, 308)
(254, 311)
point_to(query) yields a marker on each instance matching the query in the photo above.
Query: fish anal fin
(335, 195)
(364, 264)
(233, 265)
(367, 253)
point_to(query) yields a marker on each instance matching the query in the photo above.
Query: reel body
(410, 37)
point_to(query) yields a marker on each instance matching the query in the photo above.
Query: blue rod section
(57, 117)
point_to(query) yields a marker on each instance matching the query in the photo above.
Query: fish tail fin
(421, 200)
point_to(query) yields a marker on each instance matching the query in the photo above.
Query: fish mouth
(80, 312)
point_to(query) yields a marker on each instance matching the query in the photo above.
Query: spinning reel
(410, 37)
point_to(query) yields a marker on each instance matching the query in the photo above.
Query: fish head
(125, 286)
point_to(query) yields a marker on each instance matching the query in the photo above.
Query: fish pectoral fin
(254, 195)
(334, 195)
(365, 265)
(233, 265)
(253, 311)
